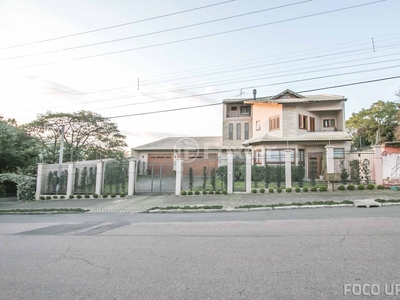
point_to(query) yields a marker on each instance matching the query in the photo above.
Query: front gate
(155, 178)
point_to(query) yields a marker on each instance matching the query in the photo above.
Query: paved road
(140, 203)
(298, 254)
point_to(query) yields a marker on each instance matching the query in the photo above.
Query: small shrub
(313, 189)
(71, 197)
(55, 197)
(211, 192)
(370, 186)
(323, 189)
(297, 190)
(95, 196)
(217, 192)
(190, 193)
(305, 189)
(104, 196)
(48, 197)
(87, 196)
(288, 190)
(204, 192)
(183, 193)
(279, 190)
(78, 196)
(62, 197)
(380, 187)
(351, 187)
(254, 191)
(42, 198)
(122, 195)
(113, 195)
(270, 190)
(262, 190)
(224, 192)
(341, 188)
(196, 192)
(361, 187)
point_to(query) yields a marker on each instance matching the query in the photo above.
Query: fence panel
(116, 177)
(51, 178)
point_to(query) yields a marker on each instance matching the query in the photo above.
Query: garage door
(161, 163)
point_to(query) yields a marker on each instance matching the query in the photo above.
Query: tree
(18, 150)
(87, 135)
(381, 120)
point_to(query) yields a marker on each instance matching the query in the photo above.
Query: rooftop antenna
(241, 93)
(254, 94)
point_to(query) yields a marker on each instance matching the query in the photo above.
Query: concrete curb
(230, 209)
(390, 203)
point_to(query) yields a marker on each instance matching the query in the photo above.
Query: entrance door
(315, 164)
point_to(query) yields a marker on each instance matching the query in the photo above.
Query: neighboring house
(268, 126)
(303, 124)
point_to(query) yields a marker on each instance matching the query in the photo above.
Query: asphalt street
(295, 254)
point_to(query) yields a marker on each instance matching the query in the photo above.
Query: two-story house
(303, 124)
(267, 126)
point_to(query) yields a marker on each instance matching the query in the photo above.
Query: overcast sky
(299, 45)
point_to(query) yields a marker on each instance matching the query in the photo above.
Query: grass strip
(43, 211)
(298, 204)
(187, 207)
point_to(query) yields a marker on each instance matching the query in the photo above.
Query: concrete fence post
(330, 162)
(71, 179)
(378, 171)
(131, 177)
(179, 176)
(248, 171)
(288, 168)
(99, 177)
(39, 180)
(230, 173)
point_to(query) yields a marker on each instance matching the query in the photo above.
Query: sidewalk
(140, 203)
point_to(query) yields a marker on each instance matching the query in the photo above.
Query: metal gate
(155, 178)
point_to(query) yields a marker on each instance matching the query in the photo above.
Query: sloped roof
(288, 96)
(171, 143)
(307, 137)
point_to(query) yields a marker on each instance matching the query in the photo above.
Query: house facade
(267, 126)
(287, 121)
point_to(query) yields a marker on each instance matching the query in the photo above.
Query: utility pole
(60, 160)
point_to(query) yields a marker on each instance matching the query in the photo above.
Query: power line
(197, 37)
(156, 32)
(206, 105)
(115, 26)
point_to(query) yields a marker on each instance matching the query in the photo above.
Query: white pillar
(230, 172)
(378, 171)
(71, 179)
(39, 181)
(263, 156)
(330, 162)
(179, 173)
(99, 177)
(131, 177)
(288, 168)
(248, 171)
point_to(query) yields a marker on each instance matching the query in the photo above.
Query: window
(302, 155)
(338, 152)
(230, 131)
(239, 131)
(245, 110)
(312, 124)
(246, 131)
(277, 156)
(274, 123)
(234, 108)
(303, 122)
(257, 157)
(329, 123)
(258, 125)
